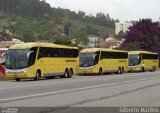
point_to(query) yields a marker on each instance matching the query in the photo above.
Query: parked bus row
(100, 60)
(36, 60)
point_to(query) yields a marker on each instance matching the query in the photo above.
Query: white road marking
(43, 84)
(76, 89)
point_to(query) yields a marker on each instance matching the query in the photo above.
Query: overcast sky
(124, 10)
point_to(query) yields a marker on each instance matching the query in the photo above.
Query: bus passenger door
(41, 65)
(41, 61)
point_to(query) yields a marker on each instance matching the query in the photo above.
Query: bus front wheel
(143, 69)
(37, 76)
(100, 71)
(17, 79)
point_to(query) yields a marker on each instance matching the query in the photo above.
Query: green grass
(78, 24)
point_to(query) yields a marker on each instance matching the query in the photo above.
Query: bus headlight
(25, 71)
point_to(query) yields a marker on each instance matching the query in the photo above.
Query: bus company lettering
(122, 61)
(70, 60)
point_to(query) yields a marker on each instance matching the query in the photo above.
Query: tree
(64, 40)
(28, 36)
(106, 35)
(89, 29)
(5, 36)
(120, 35)
(80, 15)
(144, 33)
(132, 47)
(67, 28)
(101, 18)
(82, 38)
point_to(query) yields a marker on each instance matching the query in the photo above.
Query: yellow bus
(142, 61)
(102, 60)
(35, 60)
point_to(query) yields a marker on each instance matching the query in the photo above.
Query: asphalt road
(129, 89)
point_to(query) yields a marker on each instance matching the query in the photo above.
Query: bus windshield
(89, 59)
(17, 58)
(134, 59)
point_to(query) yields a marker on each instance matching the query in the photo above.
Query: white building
(93, 41)
(17, 41)
(122, 26)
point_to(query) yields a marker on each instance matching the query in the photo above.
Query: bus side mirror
(29, 53)
(3, 55)
(94, 56)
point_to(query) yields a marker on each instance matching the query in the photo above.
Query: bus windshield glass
(89, 59)
(134, 59)
(18, 59)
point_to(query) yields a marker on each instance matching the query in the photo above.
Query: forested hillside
(37, 20)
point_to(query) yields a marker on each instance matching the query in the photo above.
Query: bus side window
(96, 57)
(32, 56)
(102, 55)
(53, 52)
(40, 53)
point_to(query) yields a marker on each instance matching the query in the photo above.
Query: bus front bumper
(134, 68)
(22, 73)
(87, 70)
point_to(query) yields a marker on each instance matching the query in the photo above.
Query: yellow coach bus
(143, 61)
(101, 60)
(35, 60)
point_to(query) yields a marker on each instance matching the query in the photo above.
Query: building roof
(6, 44)
(110, 39)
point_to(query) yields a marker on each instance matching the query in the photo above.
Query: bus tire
(17, 79)
(119, 70)
(122, 70)
(154, 68)
(70, 73)
(100, 71)
(38, 75)
(66, 74)
(143, 70)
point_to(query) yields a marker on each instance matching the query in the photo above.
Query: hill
(37, 20)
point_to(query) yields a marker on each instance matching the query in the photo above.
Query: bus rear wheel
(119, 71)
(70, 73)
(66, 74)
(122, 70)
(154, 68)
(17, 79)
